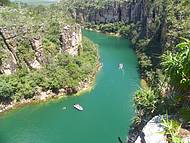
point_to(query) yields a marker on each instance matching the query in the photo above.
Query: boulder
(153, 132)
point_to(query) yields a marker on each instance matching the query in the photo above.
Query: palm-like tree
(177, 66)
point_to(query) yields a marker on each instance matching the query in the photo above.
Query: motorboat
(78, 107)
(120, 66)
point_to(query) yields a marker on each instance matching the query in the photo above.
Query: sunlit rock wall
(71, 39)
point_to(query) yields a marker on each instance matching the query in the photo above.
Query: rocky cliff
(19, 48)
(116, 11)
(154, 130)
(130, 11)
(71, 39)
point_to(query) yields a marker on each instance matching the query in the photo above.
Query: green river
(108, 108)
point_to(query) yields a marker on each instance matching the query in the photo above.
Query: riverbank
(44, 96)
(107, 33)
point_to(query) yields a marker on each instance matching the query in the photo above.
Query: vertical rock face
(136, 11)
(39, 52)
(71, 39)
(9, 62)
(8, 65)
(116, 11)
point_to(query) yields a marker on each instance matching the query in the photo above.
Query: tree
(147, 100)
(6, 91)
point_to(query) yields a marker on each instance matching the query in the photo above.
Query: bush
(6, 91)
(146, 100)
(177, 66)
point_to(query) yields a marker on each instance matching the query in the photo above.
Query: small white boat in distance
(121, 66)
(64, 108)
(78, 107)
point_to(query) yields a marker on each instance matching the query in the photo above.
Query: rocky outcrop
(9, 44)
(39, 52)
(17, 42)
(34, 63)
(8, 64)
(71, 39)
(153, 132)
(185, 135)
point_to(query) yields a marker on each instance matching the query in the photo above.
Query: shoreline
(107, 33)
(42, 97)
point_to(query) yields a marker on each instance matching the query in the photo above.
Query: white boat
(120, 66)
(64, 108)
(78, 107)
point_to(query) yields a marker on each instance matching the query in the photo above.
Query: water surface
(108, 107)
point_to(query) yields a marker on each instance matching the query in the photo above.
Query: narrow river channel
(108, 108)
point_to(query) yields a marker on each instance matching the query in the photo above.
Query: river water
(108, 108)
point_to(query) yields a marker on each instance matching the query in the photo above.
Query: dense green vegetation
(4, 2)
(34, 16)
(64, 71)
(176, 65)
(98, 4)
(169, 90)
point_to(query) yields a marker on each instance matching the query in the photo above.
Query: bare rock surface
(153, 132)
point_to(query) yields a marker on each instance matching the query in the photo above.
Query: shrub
(6, 90)
(146, 100)
(172, 128)
(177, 66)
